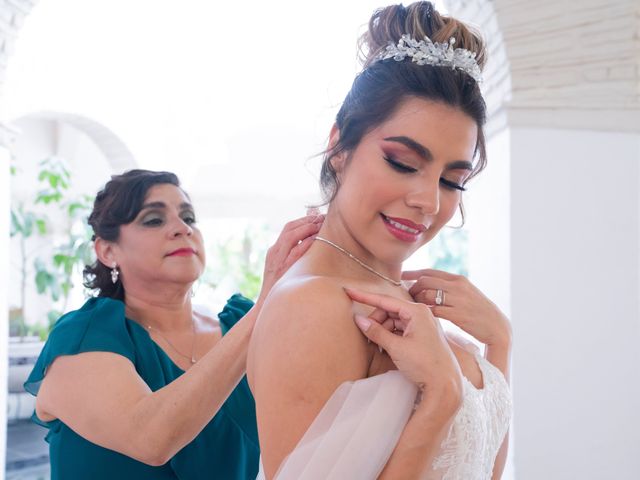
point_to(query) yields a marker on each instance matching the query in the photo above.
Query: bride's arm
(423, 354)
(303, 347)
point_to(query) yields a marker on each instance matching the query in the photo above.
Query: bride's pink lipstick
(182, 252)
(403, 229)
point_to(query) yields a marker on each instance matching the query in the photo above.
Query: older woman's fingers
(298, 251)
(290, 239)
(309, 219)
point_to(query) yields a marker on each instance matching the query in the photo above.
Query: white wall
(574, 303)
(488, 218)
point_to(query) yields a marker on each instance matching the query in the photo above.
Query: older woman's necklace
(359, 262)
(191, 357)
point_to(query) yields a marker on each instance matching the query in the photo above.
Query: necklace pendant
(193, 360)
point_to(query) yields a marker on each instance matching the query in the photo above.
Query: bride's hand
(461, 303)
(294, 240)
(421, 351)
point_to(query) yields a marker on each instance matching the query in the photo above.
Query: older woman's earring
(114, 274)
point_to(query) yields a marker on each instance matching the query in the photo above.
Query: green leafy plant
(240, 257)
(55, 270)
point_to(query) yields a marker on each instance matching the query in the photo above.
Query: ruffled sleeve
(237, 307)
(99, 326)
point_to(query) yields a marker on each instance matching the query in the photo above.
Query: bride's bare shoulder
(309, 314)
(308, 298)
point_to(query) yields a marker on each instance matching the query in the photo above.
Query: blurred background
(238, 100)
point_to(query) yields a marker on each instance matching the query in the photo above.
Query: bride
(389, 395)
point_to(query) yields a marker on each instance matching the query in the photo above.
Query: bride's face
(401, 184)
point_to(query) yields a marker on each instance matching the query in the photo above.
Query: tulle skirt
(355, 433)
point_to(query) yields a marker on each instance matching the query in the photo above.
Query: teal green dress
(227, 448)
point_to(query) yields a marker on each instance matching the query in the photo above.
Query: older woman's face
(163, 243)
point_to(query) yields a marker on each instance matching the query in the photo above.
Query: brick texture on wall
(576, 64)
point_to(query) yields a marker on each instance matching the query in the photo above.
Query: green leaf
(27, 224)
(73, 207)
(16, 224)
(43, 281)
(42, 226)
(48, 196)
(59, 259)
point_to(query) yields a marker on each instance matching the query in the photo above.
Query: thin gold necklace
(191, 358)
(359, 262)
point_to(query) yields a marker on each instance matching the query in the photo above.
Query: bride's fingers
(430, 298)
(390, 322)
(385, 302)
(379, 315)
(383, 318)
(376, 333)
(427, 272)
(426, 283)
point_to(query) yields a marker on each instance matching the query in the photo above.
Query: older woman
(135, 384)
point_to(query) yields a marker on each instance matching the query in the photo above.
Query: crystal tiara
(426, 52)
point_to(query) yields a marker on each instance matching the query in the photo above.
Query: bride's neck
(341, 254)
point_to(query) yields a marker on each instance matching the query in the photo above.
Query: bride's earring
(114, 273)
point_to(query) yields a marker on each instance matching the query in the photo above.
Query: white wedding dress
(356, 431)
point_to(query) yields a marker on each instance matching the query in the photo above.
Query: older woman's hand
(294, 240)
(456, 299)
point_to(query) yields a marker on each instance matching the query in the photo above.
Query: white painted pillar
(575, 222)
(555, 241)
(488, 209)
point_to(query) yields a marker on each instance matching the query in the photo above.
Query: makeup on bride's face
(404, 180)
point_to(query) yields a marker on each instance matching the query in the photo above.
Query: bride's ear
(337, 161)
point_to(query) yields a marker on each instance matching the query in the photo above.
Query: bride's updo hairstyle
(382, 85)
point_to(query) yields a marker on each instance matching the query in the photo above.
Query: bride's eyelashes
(452, 185)
(402, 168)
(398, 166)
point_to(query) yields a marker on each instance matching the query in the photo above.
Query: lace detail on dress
(470, 449)
(356, 431)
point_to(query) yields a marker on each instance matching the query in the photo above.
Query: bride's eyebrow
(424, 153)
